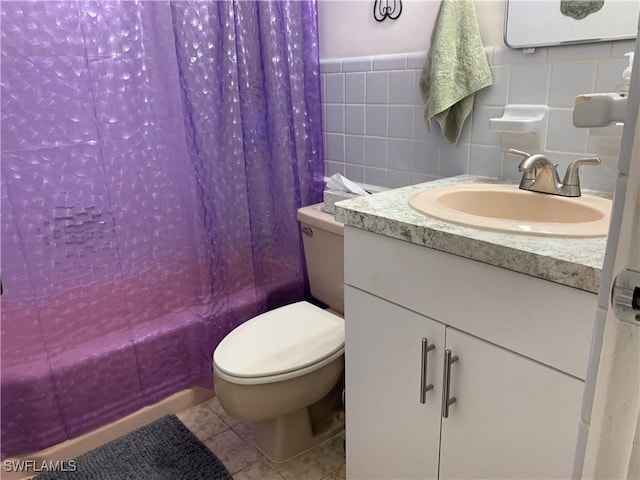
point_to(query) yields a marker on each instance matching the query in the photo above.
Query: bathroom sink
(507, 208)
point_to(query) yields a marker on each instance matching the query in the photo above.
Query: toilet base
(284, 437)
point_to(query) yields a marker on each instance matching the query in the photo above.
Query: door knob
(625, 296)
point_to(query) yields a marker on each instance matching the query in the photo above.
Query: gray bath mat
(162, 450)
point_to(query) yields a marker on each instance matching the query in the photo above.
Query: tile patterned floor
(231, 441)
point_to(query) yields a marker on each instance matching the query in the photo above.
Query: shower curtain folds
(153, 158)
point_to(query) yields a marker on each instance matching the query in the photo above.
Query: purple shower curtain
(153, 157)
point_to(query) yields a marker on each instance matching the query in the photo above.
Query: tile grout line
(237, 429)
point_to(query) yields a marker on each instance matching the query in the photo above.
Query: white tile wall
(375, 132)
(376, 120)
(400, 121)
(377, 87)
(354, 119)
(568, 80)
(354, 149)
(401, 87)
(375, 152)
(529, 84)
(354, 87)
(334, 88)
(390, 62)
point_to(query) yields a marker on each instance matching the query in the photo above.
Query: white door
(611, 404)
(513, 418)
(391, 434)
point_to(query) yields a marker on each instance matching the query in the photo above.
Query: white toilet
(283, 369)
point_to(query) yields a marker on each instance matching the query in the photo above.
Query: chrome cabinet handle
(446, 387)
(424, 387)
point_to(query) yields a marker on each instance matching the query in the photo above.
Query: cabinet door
(513, 417)
(390, 433)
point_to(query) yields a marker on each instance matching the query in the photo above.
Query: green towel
(455, 69)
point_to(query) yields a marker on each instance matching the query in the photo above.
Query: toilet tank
(323, 240)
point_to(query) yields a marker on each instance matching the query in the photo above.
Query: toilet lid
(286, 339)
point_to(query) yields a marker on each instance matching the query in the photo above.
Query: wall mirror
(539, 23)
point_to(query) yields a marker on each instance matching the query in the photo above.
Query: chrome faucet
(541, 175)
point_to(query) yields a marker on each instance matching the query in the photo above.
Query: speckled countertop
(576, 262)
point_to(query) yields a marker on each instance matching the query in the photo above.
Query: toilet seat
(284, 343)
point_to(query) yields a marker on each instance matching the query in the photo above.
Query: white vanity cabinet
(522, 346)
(513, 417)
(388, 426)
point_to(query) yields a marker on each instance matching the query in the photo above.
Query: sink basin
(507, 208)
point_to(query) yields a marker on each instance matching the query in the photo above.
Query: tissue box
(333, 196)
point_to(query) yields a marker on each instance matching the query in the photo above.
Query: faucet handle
(518, 153)
(571, 177)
